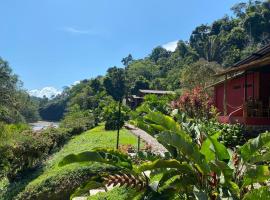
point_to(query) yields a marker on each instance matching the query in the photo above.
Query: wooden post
(118, 124)
(253, 89)
(139, 143)
(225, 96)
(245, 87)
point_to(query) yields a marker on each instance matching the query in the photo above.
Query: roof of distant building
(156, 92)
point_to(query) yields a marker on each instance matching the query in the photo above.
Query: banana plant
(194, 170)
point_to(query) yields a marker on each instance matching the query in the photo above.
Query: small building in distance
(135, 100)
(243, 96)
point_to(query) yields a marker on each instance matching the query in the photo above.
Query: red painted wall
(265, 88)
(235, 92)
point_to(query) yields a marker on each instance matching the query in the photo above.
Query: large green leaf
(173, 178)
(140, 123)
(111, 157)
(256, 174)
(200, 194)
(84, 189)
(221, 168)
(208, 150)
(171, 134)
(165, 121)
(257, 194)
(155, 122)
(170, 174)
(212, 149)
(158, 164)
(251, 149)
(186, 147)
(260, 157)
(234, 189)
(225, 173)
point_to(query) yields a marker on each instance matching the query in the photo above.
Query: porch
(244, 94)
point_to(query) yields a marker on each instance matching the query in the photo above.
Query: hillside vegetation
(58, 183)
(211, 47)
(201, 160)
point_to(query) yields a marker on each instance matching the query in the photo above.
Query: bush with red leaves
(195, 103)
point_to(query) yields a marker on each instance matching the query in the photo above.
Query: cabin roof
(156, 92)
(258, 59)
(136, 97)
(222, 81)
(261, 53)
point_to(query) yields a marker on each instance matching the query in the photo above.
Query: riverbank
(39, 125)
(53, 182)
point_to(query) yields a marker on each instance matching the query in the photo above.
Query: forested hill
(15, 103)
(210, 48)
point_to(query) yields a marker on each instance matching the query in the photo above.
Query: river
(43, 125)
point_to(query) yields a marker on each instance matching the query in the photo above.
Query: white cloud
(46, 91)
(76, 82)
(78, 31)
(170, 46)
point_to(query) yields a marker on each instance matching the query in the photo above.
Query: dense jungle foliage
(217, 165)
(15, 103)
(211, 47)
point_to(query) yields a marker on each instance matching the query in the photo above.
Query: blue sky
(57, 42)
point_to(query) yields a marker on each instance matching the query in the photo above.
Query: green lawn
(53, 182)
(93, 138)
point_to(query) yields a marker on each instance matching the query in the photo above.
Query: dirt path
(157, 148)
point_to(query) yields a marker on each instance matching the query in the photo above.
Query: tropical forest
(162, 126)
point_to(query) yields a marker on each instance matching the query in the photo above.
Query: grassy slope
(53, 177)
(96, 137)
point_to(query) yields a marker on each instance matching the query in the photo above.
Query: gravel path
(157, 148)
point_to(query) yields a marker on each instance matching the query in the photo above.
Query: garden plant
(204, 169)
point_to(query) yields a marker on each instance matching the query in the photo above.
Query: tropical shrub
(21, 151)
(110, 116)
(195, 103)
(61, 184)
(202, 170)
(78, 120)
(232, 135)
(156, 103)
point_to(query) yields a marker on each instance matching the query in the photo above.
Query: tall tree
(127, 60)
(199, 74)
(8, 84)
(115, 85)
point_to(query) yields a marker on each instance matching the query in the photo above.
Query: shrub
(232, 135)
(110, 116)
(156, 103)
(57, 186)
(192, 170)
(195, 103)
(25, 150)
(78, 120)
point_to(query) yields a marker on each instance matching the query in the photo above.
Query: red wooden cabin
(243, 96)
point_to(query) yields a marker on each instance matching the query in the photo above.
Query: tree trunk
(118, 124)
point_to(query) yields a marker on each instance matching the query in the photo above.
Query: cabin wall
(265, 88)
(236, 91)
